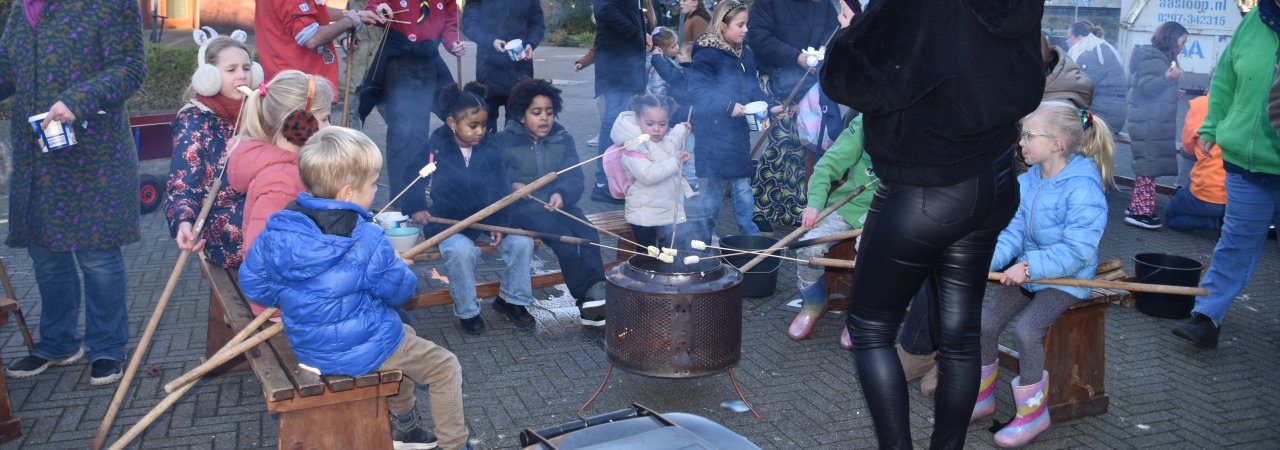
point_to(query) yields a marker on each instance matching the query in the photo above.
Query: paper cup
(56, 136)
(403, 239)
(757, 114)
(514, 48)
(391, 219)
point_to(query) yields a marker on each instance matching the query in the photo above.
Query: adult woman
(1101, 63)
(1237, 123)
(696, 20)
(75, 207)
(945, 160)
(492, 23)
(1153, 109)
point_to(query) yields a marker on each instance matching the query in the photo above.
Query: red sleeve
(295, 14)
(450, 34)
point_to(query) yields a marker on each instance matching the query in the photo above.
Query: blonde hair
(1082, 133)
(725, 11)
(286, 93)
(335, 157)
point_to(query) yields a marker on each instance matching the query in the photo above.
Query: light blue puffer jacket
(335, 292)
(1058, 225)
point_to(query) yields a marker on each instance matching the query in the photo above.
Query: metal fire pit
(672, 320)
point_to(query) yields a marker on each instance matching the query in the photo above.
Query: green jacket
(1237, 118)
(846, 155)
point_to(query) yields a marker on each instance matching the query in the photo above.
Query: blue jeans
(460, 256)
(744, 205)
(106, 313)
(1186, 212)
(1251, 209)
(615, 102)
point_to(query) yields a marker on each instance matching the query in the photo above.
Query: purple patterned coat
(87, 54)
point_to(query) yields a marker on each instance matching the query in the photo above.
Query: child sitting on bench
(337, 282)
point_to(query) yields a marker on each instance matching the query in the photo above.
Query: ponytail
(266, 109)
(1099, 145)
(458, 102)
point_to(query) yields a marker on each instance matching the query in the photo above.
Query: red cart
(151, 135)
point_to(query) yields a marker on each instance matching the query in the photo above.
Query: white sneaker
(594, 141)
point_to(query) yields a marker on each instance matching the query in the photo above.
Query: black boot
(1200, 330)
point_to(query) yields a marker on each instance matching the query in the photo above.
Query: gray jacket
(1153, 109)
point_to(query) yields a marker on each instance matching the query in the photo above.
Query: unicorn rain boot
(1033, 414)
(986, 404)
(813, 304)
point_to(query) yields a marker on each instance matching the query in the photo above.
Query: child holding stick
(469, 177)
(655, 199)
(338, 282)
(1054, 234)
(533, 145)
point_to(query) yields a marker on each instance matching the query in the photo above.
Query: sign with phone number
(1202, 20)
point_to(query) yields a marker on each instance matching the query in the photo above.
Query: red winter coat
(269, 177)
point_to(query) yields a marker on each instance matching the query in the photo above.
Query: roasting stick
(790, 97)
(346, 87)
(587, 223)
(823, 262)
(675, 221)
(173, 396)
(1120, 285)
(533, 234)
(801, 231)
(225, 355)
(825, 239)
(503, 202)
(424, 172)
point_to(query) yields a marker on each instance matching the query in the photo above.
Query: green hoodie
(846, 154)
(1237, 118)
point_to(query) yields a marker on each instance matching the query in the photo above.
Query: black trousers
(911, 233)
(580, 264)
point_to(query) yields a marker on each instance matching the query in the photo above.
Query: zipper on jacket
(1031, 215)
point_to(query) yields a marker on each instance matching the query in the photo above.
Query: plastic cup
(757, 114)
(515, 49)
(391, 219)
(55, 136)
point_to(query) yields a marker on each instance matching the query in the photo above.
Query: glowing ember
(436, 276)
(624, 333)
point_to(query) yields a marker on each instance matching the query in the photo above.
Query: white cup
(515, 49)
(55, 136)
(391, 219)
(757, 114)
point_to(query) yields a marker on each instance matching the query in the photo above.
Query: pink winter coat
(269, 177)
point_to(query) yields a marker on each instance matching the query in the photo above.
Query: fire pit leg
(732, 379)
(605, 381)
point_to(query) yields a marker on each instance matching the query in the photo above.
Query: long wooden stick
(240, 336)
(154, 322)
(1120, 285)
(675, 221)
(801, 231)
(346, 87)
(517, 231)
(224, 356)
(825, 239)
(587, 223)
(790, 98)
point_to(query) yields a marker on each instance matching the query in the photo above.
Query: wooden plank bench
(1075, 345)
(314, 411)
(613, 221)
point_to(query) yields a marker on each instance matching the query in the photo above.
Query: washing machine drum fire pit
(672, 320)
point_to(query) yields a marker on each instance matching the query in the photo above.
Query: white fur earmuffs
(206, 81)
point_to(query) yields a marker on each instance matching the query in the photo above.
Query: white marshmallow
(666, 259)
(691, 260)
(427, 170)
(670, 251)
(653, 251)
(698, 245)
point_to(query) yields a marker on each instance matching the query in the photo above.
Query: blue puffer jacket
(335, 292)
(1057, 227)
(720, 77)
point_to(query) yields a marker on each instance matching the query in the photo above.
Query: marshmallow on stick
(653, 251)
(670, 251)
(424, 172)
(698, 245)
(691, 260)
(667, 259)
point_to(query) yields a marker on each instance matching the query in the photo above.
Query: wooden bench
(1075, 345)
(314, 411)
(613, 221)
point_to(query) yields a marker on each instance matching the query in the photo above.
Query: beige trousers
(423, 362)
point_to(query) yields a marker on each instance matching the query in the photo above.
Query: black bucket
(762, 280)
(1159, 268)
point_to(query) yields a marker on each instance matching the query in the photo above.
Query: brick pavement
(1163, 393)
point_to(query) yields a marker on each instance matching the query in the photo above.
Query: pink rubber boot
(986, 404)
(1033, 414)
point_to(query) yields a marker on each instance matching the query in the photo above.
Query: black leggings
(912, 232)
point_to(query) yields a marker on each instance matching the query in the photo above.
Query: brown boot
(915, 366)
(929, 383)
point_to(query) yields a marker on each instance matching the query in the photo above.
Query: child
(468, 178)
(722, 80)
(1054, 234)
(264, 164)
(337, 282)
(847, 161)
(655, 200)
(200, 134)
(1201, 205)
(492, 23)
(667, 62)
(665, 48)
(533, 145)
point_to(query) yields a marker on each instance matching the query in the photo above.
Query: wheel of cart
(151, 136)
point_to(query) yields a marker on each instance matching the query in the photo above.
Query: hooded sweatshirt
(1067, 83)
(1237, 119)
(336, 280)
(656, 197)
(1057, 227)
(268, 175)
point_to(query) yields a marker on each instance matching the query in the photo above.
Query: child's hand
(809, 218)
(515, 186)
(185, 239)
(1015, 275)
(737, 110)
(496, 237)
(683, 157)
(555, 202)
(845, 16)
(500, 45)
(780, 111)
(407, 261)
(577, 66)
(655, 51)
(420, 217)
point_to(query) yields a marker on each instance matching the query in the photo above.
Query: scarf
(1269, 12)
(32, 9)
(222, 106)
(1087, 43)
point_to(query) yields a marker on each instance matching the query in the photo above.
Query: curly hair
(523, 93)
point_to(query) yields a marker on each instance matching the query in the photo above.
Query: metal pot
(672, 320)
